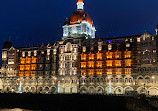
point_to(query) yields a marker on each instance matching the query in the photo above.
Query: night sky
(33, 22)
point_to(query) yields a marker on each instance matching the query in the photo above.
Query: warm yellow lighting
(99, 56)
(127, 54)
(109, 62)
(83, 57)
(99, 71)
(109, 55)
(91, 64)
(91, 71)
(109, 71)
(118, 70)
(128, 62)
(118, 63)
(99, 64)
(83, 64)
(128, 70)
(91, 56)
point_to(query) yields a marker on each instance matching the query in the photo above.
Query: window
(91, 64)
(99, 56)
(127, 45)
(127, 54)
(118, 70)
(4, 55)
(83, 64)
(110, 47)
(109, 71)
(11, 61)
(128, 62)
(99, 64)
(99, 71)
(109, 63)
(29, 53)
(91, 57)
(91, 71)
(109, 55)
(83, 57)
(138, 39)
(118, 63)
(128, 70)
(118, 55)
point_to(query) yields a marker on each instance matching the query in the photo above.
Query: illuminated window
(21, 73)
(127, 45)
(33, 73)
(22, 60)
(23, 54)
(99, 56)
(83, 64)
(28, 60)
(109, 63)
(118, 70)
(34, 60)
(48, 52)
(4, 55)
(118, 55)
(109, 55)
(33, 66)
(83, 57)
(83, 72)
(27, 73)
(99, 64)
(91, 56)
(91, 64)
(35, 53)
(127, 54)
(99, 71)
(128, 62)
(118, 63)
(27, 67)
(99, 47)
(91, 71)
(128, 70)
(109, 71)
(11, 61)
(84, 49)
(153, 38)
(110, 47)
(29, 53)
(154, 51)
(138, 39)
(22, 67)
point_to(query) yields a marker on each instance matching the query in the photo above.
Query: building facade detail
(82, 63)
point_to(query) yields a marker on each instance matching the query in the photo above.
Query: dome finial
(80, 5)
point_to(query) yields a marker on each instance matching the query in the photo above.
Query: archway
(83, 90)
(118, 90)
(7, 89)
(91, 90)
(74, 89)
(142, 90)
(67, 89)
(27, 90)
(153, 91)
(40, 89)
(53, 90)
(100, 90)
(110, 90)
(33, 89)
(46, 90)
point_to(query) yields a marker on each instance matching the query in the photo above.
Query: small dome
(79, 16)
(7, 45)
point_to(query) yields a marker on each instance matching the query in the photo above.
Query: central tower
(79, 24)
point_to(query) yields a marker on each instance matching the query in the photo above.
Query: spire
(80, 5)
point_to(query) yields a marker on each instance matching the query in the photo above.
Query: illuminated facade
(81, 63)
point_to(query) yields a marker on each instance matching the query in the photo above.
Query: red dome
(80, 15)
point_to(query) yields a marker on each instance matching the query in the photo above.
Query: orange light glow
(83, 64)
(99, 56)
(91, 71)
(99, 64)
(109, 63)
(118, 70)
(117, 55)
(128, 70)
(127, 54)
(118, 63)
(91, 64)
(22, 67)
(128, 62)
(109, 55)
(109, 71)
(99, 71)
(91, 56)
(83, 57)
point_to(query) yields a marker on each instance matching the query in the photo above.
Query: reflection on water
(16, 109)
